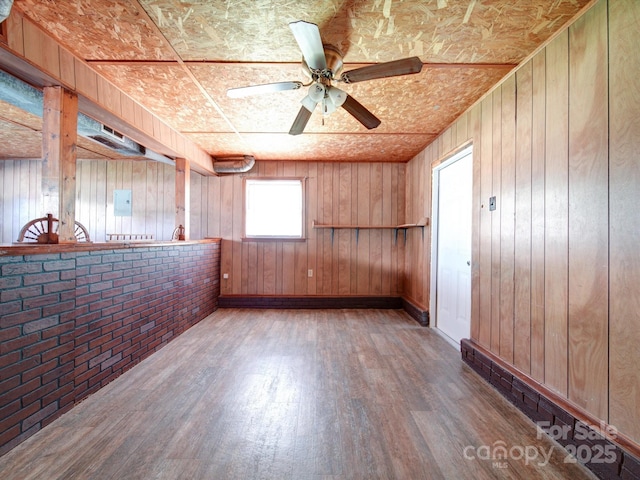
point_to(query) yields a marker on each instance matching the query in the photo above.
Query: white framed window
(274, 208)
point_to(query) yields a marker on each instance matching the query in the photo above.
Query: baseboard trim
(576, 432)
(310, 301)
(418, 314)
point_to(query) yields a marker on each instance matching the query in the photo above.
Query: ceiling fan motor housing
(334, 65)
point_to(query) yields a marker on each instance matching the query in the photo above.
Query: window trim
(274, 238)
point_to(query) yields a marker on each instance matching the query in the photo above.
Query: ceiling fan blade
(308, 37)
(360, 113)
(404, 66)
(300, 122)
(264, 88)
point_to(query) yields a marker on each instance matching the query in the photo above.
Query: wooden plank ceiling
(178, 59)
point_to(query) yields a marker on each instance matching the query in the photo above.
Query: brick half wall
(71, 322)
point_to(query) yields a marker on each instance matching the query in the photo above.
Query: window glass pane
(273, 208)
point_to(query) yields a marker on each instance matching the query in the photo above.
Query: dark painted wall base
(313, 301)
(319, 301)
(603, 457)
(419, 315)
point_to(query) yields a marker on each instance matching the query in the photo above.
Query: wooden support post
(183, 190)
(59, 136)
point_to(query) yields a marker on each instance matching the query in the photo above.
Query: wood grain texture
(588, 212)
(343, 263)
(475, 132)
(538, 142)
(507, 218)
(624, 217)
(557, 214)
(307, 394)
(486, 217)
(20, 196)
(522, 246)
(496, 239)
(59, 137)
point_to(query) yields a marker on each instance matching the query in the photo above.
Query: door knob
(469, 262)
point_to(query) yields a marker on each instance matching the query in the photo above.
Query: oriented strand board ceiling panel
(437, 30)
(424, 103)
(168, 92)
(18, 141)
(177, 58)
(100, 29)
(324, 147)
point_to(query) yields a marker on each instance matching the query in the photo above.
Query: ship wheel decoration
(45, 230)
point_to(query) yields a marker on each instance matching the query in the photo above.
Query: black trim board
(322, 301)
(618, 463)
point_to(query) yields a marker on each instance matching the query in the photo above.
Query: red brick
(63, 330)
(9, 409)
(85, 357)
(40, 324)
(38, 416)
(20, 293)
(57, 352)
(85, 376)
(18, 343)
(39, 347)
(41, 278)
(67, 306)
(21, 390)
(39, 370)
(37, 394)
(60, 373)
(59, 286)
(99, 358)
(99, 341)
(7, 384)
(10, 333)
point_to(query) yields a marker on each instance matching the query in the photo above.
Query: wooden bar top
(43, 249)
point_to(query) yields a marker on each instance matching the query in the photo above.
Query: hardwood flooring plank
(290, 395)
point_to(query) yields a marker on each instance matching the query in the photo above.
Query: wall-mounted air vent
(112, 132)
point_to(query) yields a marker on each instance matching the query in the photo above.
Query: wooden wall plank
(375, 236)
(364, 218)
(624, 197)
(475, 127)
(486, 191)
(588, 212)
(139, 198)
(507, 217)
(312, 234)
(556, 213)
(522, 266)
(537, 216)
(496, 239)
(40, 50)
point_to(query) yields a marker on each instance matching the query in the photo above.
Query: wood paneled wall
(337, 193)
(20, 199)
(556, 268)
(153, 197)
(152, 188)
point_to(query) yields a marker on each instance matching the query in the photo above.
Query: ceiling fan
(323, 63)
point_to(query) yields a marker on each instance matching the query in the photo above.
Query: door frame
(447, 160)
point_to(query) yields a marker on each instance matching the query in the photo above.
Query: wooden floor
(283, 394)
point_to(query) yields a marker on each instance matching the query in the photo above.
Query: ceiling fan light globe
(337, 96)
(309, 103)
(316, 92)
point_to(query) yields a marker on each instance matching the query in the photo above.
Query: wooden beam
(59, 136)
(183, 207)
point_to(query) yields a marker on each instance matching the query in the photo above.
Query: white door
(451, 254)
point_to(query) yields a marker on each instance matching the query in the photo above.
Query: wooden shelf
(421, 224)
